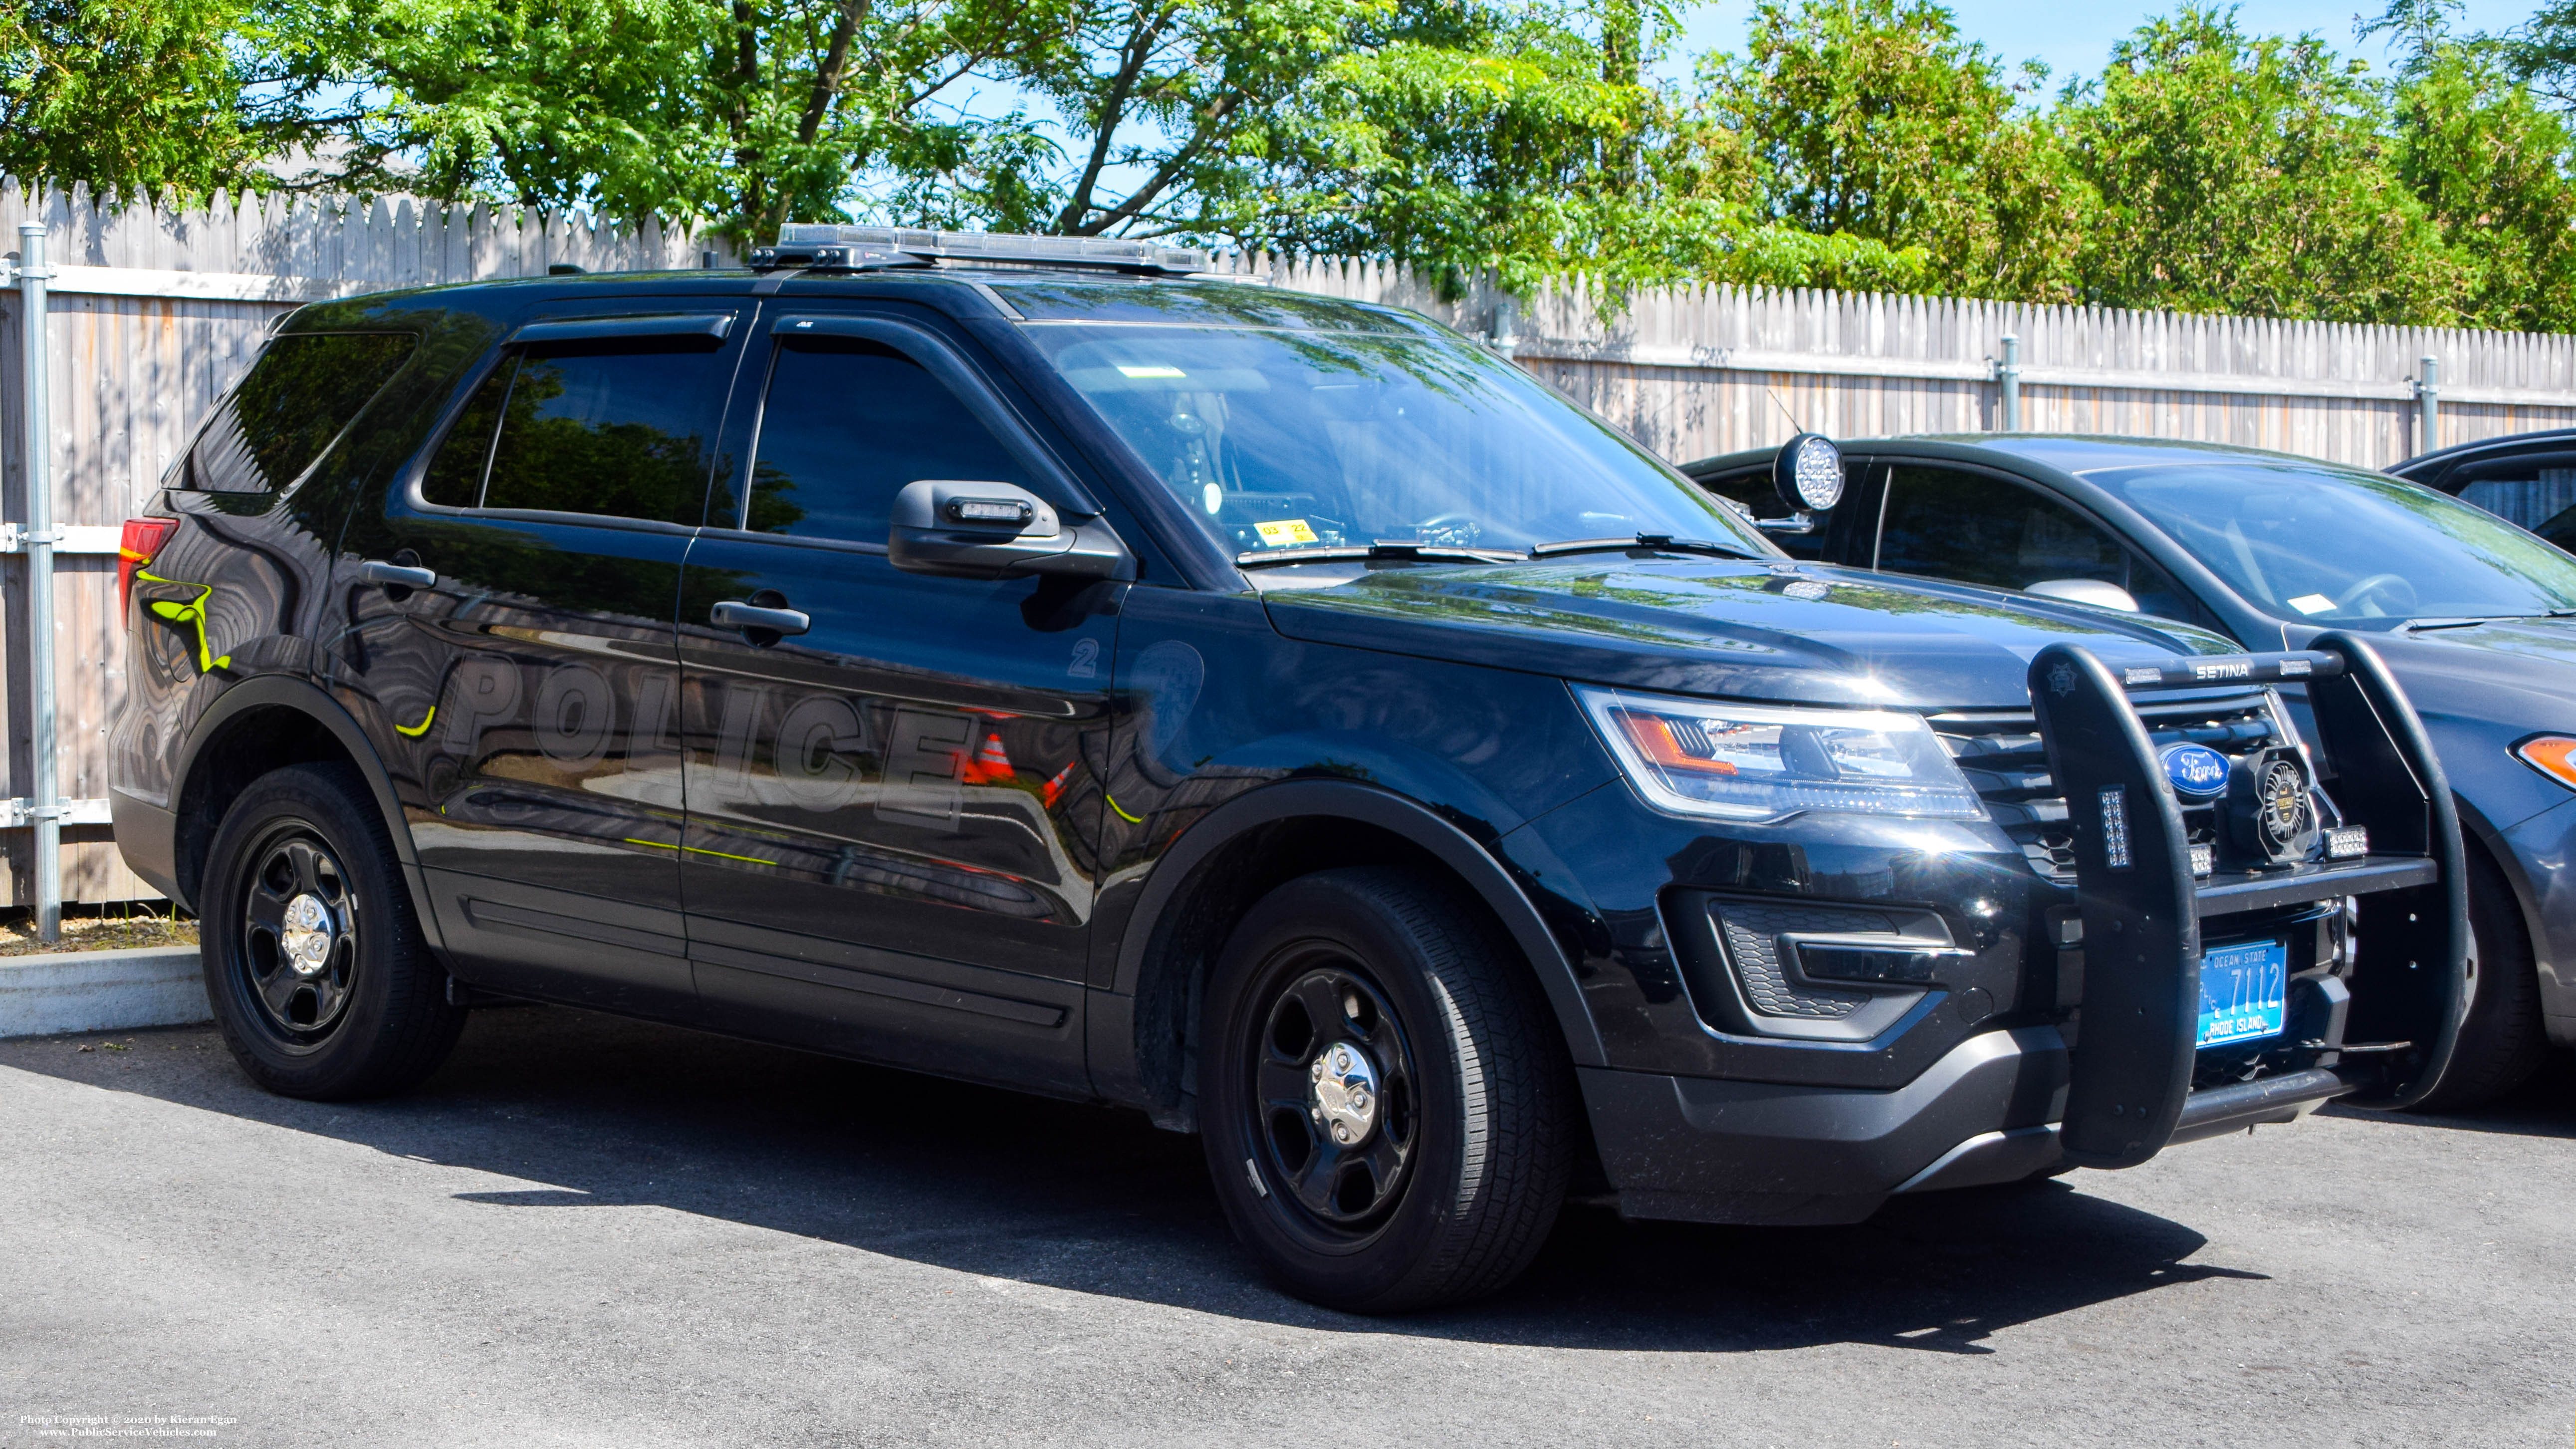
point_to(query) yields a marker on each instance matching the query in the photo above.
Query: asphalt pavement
(585, 1231)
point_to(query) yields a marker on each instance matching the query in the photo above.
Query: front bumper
(1701, 1149)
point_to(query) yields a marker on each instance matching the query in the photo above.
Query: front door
(892, 812)
(510, 643)
(1973, 527)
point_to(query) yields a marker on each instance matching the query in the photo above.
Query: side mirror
(970, 530)
(2087, 591)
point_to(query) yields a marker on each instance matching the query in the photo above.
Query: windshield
(2352, 549)
(1280, 440)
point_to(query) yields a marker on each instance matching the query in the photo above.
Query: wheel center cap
(1345, 1094)
(308, 937)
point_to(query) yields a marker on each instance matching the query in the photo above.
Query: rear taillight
(141, 540)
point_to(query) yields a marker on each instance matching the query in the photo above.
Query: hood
(1753, 630)
(2519, 674)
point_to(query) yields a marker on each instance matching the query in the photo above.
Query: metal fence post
(37, 462)
(2428, 405)
(2008, 372)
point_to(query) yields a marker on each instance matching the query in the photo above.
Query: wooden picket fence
(156, 312)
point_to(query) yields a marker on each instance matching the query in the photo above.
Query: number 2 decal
(1086, 659)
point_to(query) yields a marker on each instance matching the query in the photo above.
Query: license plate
(2243, 991)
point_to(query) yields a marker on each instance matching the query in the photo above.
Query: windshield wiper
(2471, 621)
(1328, 553)
(1664, 541)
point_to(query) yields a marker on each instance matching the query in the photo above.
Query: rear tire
(2503, 1040)
(1386, 1103)
(314, 962)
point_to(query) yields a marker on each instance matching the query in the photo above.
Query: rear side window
(847, 424)
(302, 392)
(614, 430)
(2530, 490)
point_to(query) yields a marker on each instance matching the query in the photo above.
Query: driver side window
(1974, 528)
(847, 422)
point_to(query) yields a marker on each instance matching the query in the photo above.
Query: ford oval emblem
(2197, 771)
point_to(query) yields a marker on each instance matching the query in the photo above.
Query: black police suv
(1015, 660)
(2475, 619)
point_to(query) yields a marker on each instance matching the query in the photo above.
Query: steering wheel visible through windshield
(2342, 547)
(1280, 439)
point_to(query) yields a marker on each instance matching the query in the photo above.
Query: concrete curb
(101, 991)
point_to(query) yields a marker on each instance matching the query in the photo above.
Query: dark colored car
(1008, 660)
(2524, 478)
(2477, 621)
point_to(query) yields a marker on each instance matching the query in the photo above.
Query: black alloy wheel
(314, 962)
(1385, 1098)
(1333, 1082)
(299, 948)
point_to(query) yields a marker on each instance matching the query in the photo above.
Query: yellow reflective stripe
(193, 613)
(699, 850)
(1123, 815)
(422, 728)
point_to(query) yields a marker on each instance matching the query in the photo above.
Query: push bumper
(2115, 1085)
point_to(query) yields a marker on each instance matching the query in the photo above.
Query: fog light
(1872, 963)
(2348, 842)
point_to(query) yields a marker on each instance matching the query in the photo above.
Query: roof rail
(839, 247)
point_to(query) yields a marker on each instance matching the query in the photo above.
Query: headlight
(2551, 755)
(1761, 762)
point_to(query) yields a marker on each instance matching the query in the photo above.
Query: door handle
(395, 576)
(733, 615)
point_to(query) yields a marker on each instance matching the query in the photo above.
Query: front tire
(2503, 1039)
(314, 962)
(1385, 1102)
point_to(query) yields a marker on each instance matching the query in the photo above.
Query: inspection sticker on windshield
(1280, 533)
(2243, 991)
(2313, 604)
(1151, 371)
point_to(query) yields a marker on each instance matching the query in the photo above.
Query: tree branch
(1139, 47)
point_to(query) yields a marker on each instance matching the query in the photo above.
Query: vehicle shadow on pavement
(2544, 1106)
(590, 1111)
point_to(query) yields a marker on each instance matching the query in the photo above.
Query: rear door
(2536, 489)
(892, 812)
(510, 643)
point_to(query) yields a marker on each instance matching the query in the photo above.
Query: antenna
(1795, 426)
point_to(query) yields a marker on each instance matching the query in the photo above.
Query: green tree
(1526, 142)
(2244, 173)
(126, 96)
(2490, 165)
(745, 112)
(1167, 110)
(1873, 119)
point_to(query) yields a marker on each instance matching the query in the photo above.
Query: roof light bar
(858, 248)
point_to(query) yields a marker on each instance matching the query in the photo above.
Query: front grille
(2000, 753)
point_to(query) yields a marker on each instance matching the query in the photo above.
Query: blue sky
(2074, 36)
